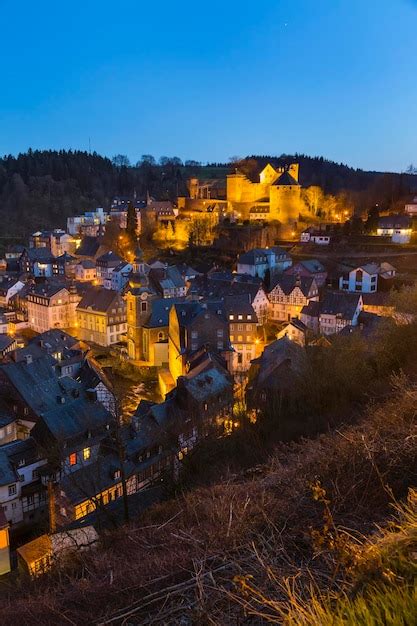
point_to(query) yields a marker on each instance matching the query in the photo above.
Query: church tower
(138, 298)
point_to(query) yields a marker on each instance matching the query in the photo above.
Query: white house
(364, 278)
(289, 295)
(319, 237)
(85, 271)
(258, 261)
(51, 306)
(8, 288)
(120, 275)
(398, 227)
(411, 208)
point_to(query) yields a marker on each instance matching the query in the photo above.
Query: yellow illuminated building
(276, 196)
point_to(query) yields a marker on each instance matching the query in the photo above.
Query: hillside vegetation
(288, 541)
(41, 188)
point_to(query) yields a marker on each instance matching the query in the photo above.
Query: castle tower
(192, 186)
(285, 199)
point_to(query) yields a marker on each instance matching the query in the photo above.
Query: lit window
(86, 453)
(73, 458)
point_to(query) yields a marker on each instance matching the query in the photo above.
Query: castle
(275, 196)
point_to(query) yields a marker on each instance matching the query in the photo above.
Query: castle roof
(286, 180)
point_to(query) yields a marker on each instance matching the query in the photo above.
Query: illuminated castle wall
(277, 194)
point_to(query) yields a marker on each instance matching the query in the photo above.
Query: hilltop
(41, 188)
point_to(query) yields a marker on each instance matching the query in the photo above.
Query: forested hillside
(39, 189)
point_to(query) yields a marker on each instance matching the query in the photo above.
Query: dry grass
(200, 557)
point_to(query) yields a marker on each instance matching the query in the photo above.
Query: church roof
(286, 180)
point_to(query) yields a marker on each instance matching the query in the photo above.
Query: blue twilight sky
(210, 80)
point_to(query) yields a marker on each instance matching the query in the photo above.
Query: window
(220, 345)
(12, 490)
(86, 453)
(220, 332)
(73, 458)
(194, 334)
(26, 411)
(1, 433)
(143, 307)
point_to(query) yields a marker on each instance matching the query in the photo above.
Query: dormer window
(116, 474)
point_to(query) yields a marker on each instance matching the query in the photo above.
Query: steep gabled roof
(286, 180)
(340, 303)
(289, 282)
(161, 307)
(98, 299)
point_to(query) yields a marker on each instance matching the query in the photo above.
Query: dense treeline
(41, 188)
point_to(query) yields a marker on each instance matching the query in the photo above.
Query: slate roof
(275, 355)
(7, 473)
(166, 278)
(289, 282)
(24, 451)
(298, 324)
(5, 342)
(311, 265)
(240, 304)
(394, 221)
(121, 266)
(6, 284)
(90, 375)
(39, 254)
(93, 478)
(251, 257)
(87, 264)
(47, 289)
(74, 419)
(378, 298)
(37, 383)
(160, 312)
(109, 259)
(98, 299)
(204, 382)
(285, 180)
(340, 303)
(312, 309)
